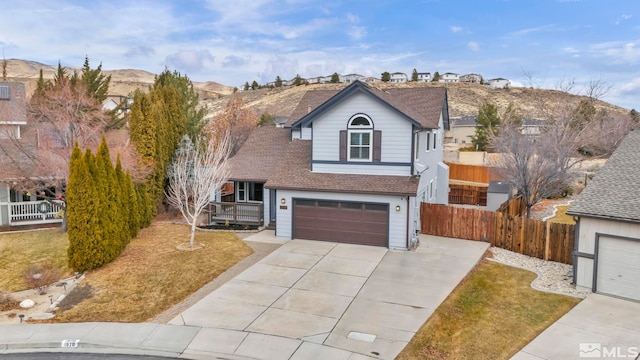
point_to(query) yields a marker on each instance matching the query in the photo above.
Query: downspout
(574, 255)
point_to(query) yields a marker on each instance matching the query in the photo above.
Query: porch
(236, 213)
(34, 212)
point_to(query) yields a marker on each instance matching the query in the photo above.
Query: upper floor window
(428, 147)
(4, 92)
(435, 139)
(360, 139)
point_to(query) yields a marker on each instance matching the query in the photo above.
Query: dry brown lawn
(151, 275)
(20, 250)
(492, 314)
(562, 217)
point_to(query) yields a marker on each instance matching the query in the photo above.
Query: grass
(150, 275)
(561, 216)
(492, 314)
(20, 250)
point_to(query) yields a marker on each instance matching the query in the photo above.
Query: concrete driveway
(598, 327)
(321, 300)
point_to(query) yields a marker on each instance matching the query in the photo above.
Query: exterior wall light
(397, 207)
(283, 201)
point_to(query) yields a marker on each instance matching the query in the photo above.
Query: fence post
(521, 234)
(546, 240)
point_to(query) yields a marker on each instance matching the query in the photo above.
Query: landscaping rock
(28, 303)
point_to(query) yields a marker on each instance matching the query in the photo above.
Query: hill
(464, 98)
(123, 81)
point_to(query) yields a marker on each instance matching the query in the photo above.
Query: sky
(539, 43)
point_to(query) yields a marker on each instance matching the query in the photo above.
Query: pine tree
(278, 82)
(96, 83)
(85, 250)
(487, 124)
(335, 78)
(414, 75)
(385, 76)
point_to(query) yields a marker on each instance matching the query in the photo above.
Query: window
(360, 136)
(4, 93)
(417, 146)
(430, 189)
(435, 140)
(248, 191)
(241, 194)
(428, 141)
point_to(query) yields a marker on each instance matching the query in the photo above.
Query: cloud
(619, 52)
(354, 19)
(190, 60)
(456, 29)
(234, 61)
(473, 46)
(622, 18)
(282, 66)
(528, 31)
(357, 32)
(140, 50)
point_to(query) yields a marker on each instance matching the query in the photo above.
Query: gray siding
(396, 132)
(4, 204)
(434, 174)
(397, 219)
(587, 244)
(363, 169)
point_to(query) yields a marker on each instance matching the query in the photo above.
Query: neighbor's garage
(341, 221)
(618, 267)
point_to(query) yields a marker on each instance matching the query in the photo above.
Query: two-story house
(449, 77)
(499, 83)
(424, 77)
(398, 77)
(351, 165)
(471, 78)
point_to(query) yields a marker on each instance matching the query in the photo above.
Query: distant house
(449, 77)
(349, 78)
(607, 246)
(352, 166)
(424, 77)
(13, 109)
(114, 101)
(463, 128)
(371, 79)
(499, 83)
(471, 78)
(398, 77)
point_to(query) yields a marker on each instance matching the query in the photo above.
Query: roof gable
(613, 192)
(421, 106)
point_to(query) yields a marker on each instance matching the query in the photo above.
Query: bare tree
(541, 166)
(565, 84)
(595, 89)
(236, 119)
(199, 168)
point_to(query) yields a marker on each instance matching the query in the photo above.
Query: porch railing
(34, 212)
(236, 213)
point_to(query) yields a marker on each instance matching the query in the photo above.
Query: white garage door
(619, 267)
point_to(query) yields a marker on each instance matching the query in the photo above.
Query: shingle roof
(293, 173)
(613, 193)
(14, 110)
(259, 154)
(421, 104)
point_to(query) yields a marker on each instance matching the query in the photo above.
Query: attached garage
(618, 267)
(341, 221)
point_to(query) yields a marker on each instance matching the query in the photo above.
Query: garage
(618, 267)
(341, 221)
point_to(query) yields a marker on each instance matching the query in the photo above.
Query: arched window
(360, 135)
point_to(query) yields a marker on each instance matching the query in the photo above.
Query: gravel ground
(552, 276)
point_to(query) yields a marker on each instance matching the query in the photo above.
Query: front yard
(492, 314)
(148, 277)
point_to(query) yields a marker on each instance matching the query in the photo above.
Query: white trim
(370, 146)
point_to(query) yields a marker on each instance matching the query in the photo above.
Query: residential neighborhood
(319, 180)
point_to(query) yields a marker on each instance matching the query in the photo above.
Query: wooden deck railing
(236, 213)
(34, 212)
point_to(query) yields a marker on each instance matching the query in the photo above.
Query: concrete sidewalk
(598, 327)
(306, 300)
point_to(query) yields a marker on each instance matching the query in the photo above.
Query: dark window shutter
(343, 145)
(377, 145)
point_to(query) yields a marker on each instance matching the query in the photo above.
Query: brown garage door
(341, 221)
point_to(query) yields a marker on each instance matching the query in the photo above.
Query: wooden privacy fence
(474, 173)
(467, 195)
(535, 238)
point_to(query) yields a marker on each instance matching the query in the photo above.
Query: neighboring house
(499, 83)
(17, 143)
(114, 101)
(607, 246)
(398, 77)
(463, 128)
(371, 79)
(349, 78)
(351, 165)
(449, 78)
(424, 77)
(471, 78)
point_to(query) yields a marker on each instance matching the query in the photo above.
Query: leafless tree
(541, 166)
(595, 89)
(236, 119)
(565, 84)
(198, 168)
